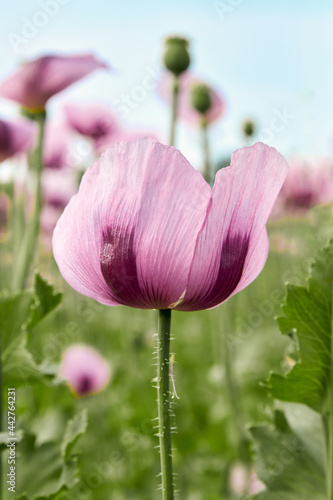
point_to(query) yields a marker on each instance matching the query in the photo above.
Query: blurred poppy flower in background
(309, 183)
(84, 369)
(100, 125)
(58, 142)
(145, 230)
(58, 187)
(185, 108)
(93, 121)
(16, 137)
(35, 82)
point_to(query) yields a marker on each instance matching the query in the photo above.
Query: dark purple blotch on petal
(234, 251)
(118, 266)
(85, 385)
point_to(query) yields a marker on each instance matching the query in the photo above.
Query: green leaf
(308, 314)
(19, 313)
(14, 312)
(56, 466)
(19, 366)
(286, 464)
(75, 428)
(4, 438)
(45, 300)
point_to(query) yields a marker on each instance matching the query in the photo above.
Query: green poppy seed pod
(176, 56)
(249, 128)
(201, 98)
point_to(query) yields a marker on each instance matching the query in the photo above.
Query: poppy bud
(249, 128)
(176, 56)
(201, 99)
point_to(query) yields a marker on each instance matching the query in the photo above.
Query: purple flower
(16, 137)
(99, 124)
(93, 121)
(35, 82)
(145, 230)
(309, 183)
(84, 369)
(58, 187)
(58, 142)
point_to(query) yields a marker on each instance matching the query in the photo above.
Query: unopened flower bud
(249, 128)
(176, 56)
(201, 98)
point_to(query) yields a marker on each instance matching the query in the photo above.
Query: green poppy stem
(28, 247)
(163, 401)
(174, 109)
(235, 407)
(207, 168)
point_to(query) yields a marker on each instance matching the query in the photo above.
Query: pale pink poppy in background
(35, 82)
(145, 229)
(93, 121)
(256, 486)
(100, 125)
(58, 146)
(244, 481)
(58, 186)
(309, 183)
(185, 109)
(16, 137)
(85, 370)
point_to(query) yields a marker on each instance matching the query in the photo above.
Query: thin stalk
(163, 401)
(28, 247)
(174, 109)
(207, 167)
(234, 401)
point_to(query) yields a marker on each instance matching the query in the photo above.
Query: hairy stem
(163, 401)
(28, 247)
(174, 108)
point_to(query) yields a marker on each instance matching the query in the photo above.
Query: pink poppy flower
(93, 121)
(145, 230)
(100, 125)
(16, 137)
(35, 82)
(309, 183)
(85, 370)
(244, 481)
(185, 108)
(58, 186)
(58, 141)
(256, 486)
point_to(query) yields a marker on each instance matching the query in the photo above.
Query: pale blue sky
(268, 58)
